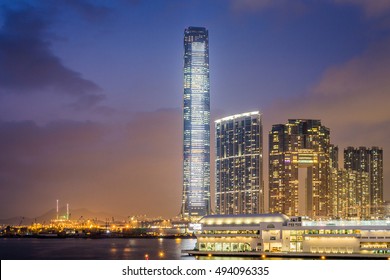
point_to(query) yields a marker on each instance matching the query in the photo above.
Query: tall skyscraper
(370, 161)
(196, 133)
(299, 169)
(239, 164)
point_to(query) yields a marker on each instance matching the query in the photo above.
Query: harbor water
(95, 249)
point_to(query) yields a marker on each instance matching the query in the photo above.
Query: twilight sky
(91, 91)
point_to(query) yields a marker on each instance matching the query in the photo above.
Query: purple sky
(91, 91)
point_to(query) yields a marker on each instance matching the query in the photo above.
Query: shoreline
(95, 237)
(290, 255)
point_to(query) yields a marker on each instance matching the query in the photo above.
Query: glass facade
(238, 164)
(196, 130)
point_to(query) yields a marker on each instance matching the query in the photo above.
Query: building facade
(299, 169)
(196, 130)
(368, 161)
(278, 233)
(239, 164)
(333, 156)
(351, 198)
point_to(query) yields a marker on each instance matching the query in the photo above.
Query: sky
(91, 91)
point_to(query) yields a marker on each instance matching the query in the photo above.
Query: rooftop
(229, 118)
(248, 219)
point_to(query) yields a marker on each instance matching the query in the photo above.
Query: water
(94, 249)
(104, 249)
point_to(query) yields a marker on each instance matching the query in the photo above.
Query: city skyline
(91, 94)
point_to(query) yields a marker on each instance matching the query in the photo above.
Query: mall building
(280, 234)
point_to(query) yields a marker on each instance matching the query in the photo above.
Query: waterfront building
(299, 169)
(239, 164)
(277, 233)
(196, 130)
(370, 161)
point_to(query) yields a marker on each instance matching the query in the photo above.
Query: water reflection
(94, 249)
(103, 249)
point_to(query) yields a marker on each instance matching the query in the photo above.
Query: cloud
(253, 6)
(127, 169)
(27, 63)
(90, 11)
(87, 101)
(358, 89)
(371, 8)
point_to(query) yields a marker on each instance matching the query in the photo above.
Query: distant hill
(74, 214)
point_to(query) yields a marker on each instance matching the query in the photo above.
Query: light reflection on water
(103, 249)
(95, 249)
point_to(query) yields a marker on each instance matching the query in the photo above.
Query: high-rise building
(376, 180)
(351, 195)
(334, 170)
(299, 169)
(196, 132)
(357, 158)
(334, 156)
(370, 161)
(386, 209)
(239, 164)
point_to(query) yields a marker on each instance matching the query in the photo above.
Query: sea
(47, 249)
(95, 249)
(105, 249)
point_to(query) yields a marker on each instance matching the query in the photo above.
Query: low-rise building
(280, 234)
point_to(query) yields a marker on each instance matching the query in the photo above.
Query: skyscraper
(239, 164)
(196, 130)
(376, 181)
(334, 156)
(299, 169)
(370, 161)
(350, 194)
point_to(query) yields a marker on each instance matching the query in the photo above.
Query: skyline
(96, 121)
